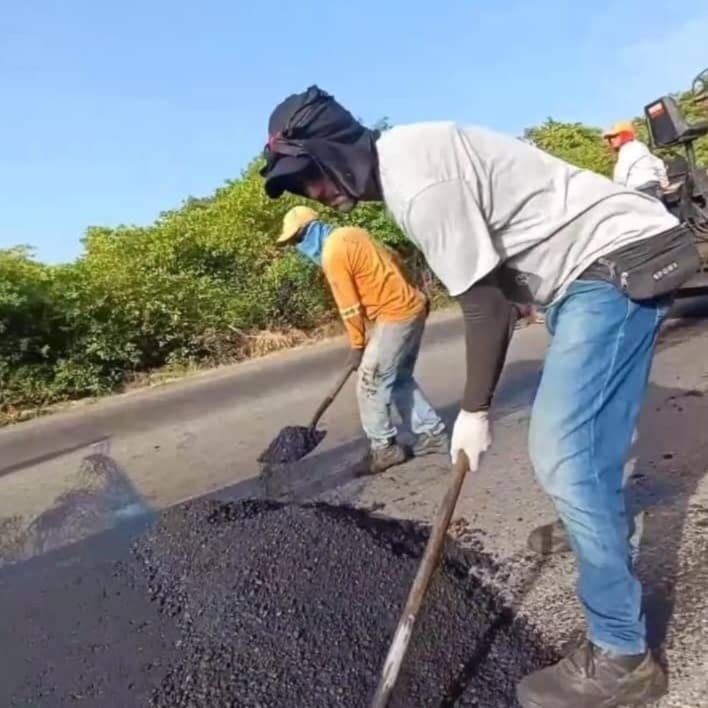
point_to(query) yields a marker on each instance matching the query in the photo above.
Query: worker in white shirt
(636, 166)
(502, 223)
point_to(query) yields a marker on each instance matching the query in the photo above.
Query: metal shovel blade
(291, 444)
(295, 441)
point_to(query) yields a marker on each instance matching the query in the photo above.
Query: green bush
(193, 287)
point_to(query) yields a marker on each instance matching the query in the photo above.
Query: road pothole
(285, 605)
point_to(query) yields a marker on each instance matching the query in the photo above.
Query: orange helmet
(623, 127)
(620, 134)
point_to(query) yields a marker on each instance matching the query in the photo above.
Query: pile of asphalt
(283, 605)
(292, 444)
(252, 604)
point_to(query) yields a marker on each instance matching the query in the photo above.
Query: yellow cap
(624, 126)
(294, 220)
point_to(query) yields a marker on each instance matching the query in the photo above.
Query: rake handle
(339, 383)
(402, 636)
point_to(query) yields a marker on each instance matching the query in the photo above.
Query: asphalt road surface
(103, 612)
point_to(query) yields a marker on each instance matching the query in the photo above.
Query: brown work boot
(427, 444)
(381, 458)
(549, 539)
(591, 678)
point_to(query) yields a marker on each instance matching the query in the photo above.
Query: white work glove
(471, 434)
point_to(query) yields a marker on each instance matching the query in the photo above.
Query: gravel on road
(255, 604)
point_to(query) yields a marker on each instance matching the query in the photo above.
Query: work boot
(591, 678)
(381, 458)
(549, 539)
(427, 444)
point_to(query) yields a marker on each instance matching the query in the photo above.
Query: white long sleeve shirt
(636, 166)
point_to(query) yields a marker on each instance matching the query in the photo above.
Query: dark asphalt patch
(291, 444)
(252, 604)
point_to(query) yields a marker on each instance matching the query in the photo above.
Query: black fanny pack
(650, 268)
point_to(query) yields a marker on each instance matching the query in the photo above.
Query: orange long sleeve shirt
(367, 283)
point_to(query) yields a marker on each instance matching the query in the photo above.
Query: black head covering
(311, 129)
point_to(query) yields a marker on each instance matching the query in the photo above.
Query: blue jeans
(586, 408)
(386, 377)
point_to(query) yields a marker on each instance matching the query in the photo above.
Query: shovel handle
(402, 636)
(339, 383)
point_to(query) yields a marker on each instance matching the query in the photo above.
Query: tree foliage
(193, 286)
(579, 144)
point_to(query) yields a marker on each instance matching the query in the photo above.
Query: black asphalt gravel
(291, 444)
(253, 604)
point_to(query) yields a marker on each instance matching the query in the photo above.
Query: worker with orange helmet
(636, 166)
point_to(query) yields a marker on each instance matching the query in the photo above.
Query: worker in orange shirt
(368, 284)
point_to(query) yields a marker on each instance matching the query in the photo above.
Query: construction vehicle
(687, 194)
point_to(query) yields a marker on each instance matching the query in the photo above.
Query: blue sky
(113, 112)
